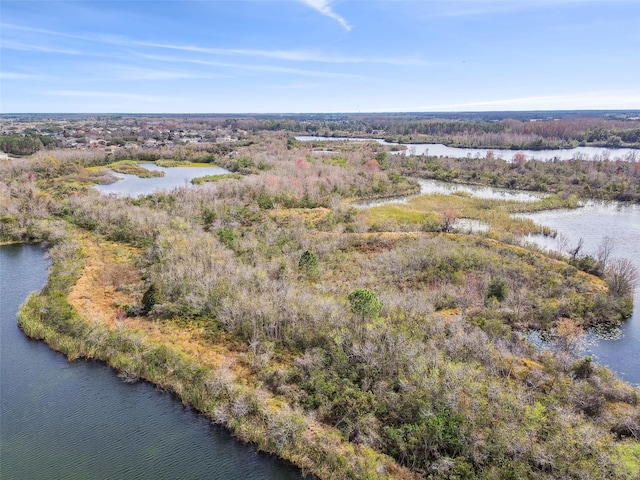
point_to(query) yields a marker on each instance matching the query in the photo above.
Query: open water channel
(619, 348)
(62, 420)
(438, 150)
(132, 185)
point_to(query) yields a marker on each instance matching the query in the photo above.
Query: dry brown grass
(293, 216)
(109, 279)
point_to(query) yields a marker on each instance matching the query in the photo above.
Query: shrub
(497, 289)
(365, 303)
(150, 298)
(308, 263)
(226, 237)
(265, 202)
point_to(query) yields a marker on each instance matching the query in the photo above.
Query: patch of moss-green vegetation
(216, 178)
(130, 167)
(438, 212)
(168, 163)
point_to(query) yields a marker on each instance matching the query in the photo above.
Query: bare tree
(448, 219)
(622, 277)
(518, 301)
(576, 250)
(470, 293)
(605, 249)
(569, 335)
(562, 243)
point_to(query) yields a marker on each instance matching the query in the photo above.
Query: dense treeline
(602, 180)
(516, 134)
(346, 340)
(504, 130)
(506, 133)
(16, 144)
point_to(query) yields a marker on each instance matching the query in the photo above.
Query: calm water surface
(61, 420)
(132, 185)
(592, 223)
(438, 150)
(428, 187)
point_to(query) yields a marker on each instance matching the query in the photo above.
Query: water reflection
(618, 348)
(490, 193)
(131, 185)
(470, 226)
(439, 150)
(77, 420)
(429, 187)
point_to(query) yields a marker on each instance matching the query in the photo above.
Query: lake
(62, 420)
(132, 185)
(439, 150)
(620, 350)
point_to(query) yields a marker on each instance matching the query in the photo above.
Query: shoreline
(213, 379)
(211, 388)
(391, 141)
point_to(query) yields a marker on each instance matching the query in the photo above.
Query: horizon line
(405, 112)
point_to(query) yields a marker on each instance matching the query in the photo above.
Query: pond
(131, 185)
(439, 150)
(79, 421)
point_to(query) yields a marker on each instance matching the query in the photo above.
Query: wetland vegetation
(373, 342)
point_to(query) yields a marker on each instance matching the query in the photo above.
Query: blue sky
(241, 56)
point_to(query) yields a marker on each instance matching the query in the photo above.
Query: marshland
(384, 341)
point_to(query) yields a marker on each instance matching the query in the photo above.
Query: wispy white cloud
(20, 76)
(98, 38)
(298, 55)
(461, 8)
(127, 72)
(324, 7)
(247, 67)
(10, 26)
(574, 100)
(135, 97)
(290, 55)
(25, 47)
(298, 86)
